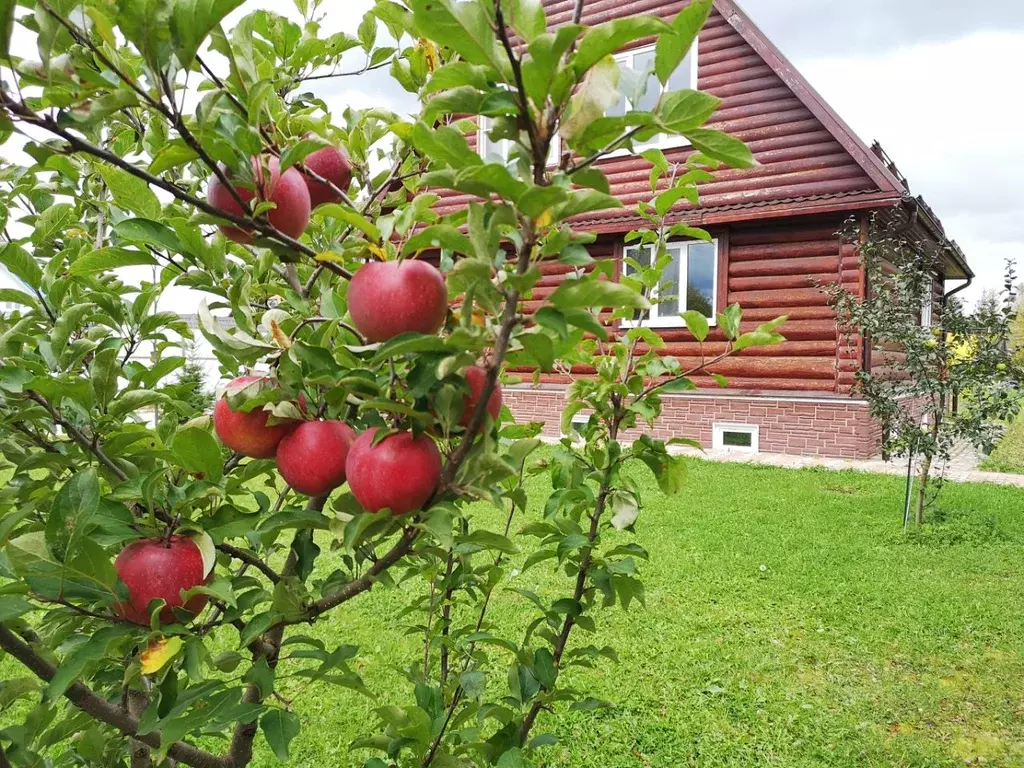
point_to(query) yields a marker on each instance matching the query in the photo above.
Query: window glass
(688, 282)
(738, 439)
(668, 291)
(700, 278)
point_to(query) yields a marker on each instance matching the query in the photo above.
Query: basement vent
(736, 438)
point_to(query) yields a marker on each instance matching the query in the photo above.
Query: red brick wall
(804, 426)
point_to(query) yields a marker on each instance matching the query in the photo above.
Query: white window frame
(927, 309)
(484, 126)
(718, 437)
(654, 320)
(662, 140)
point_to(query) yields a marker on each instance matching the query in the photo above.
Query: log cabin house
(775, 240)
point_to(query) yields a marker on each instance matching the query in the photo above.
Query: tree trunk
(140, 754)
(922, 487)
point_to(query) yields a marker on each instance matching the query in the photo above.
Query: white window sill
(655, 323)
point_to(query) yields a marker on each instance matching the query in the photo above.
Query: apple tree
(160, 568)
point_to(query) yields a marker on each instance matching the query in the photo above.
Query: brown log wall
(757, 259)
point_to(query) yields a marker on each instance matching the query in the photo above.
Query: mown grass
(1009, 454)
(788, 623)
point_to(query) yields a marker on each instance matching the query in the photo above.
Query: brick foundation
(806, 426)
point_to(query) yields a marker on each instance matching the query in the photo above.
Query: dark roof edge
(917, 206)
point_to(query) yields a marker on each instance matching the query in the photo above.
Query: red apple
(333, 164)
(475, 378)
(399, 473)
(286, 190)
(162, 569)
(388, 298)
(248, 433)
(312, 457)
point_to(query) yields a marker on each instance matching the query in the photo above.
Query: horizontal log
(766, 282)
(775, 234)
(793, 313)
(741, 62)
(792, 297)
(725, 79)
(784, 250)
(714, 348)
(775, 266)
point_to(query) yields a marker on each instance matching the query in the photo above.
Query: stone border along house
(775, 239)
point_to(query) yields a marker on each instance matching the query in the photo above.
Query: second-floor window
(690, 281)
(644, 96)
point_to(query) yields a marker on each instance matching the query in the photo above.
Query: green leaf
(625, 510)
(198, 451)
(75, 662)
(146, 23)
(172, 155)
(757, 339)
(687, 110)
(513, 758)
(598, 92)
(350, 217)
(607, 38)
(6, 26)
(51, 223)
(474, 683)
(408, 343)
(106, 259)
(22, 265)
(89, 574)
(192, 21)
(299, 151)
(592, 293)
(721, 146)
(482, 539)
(696, 323)
(444, 145)
(14, 296)
(729, 320)
(130, 193)
(149, 232)
(585, 201)
(539, 347)
(463, 27)
(279, 727)
(13, 607)
(133, 400)
(527, 18)
(72, 512)
(673, 46)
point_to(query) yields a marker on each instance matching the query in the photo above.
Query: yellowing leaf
(159, 653)
(329, 256)
(430, 51)
(544, 219)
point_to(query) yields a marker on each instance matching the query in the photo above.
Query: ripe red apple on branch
(248, 433)
(333, 164)
(286, 190)
(475, 378)
(161, 569)
(399, 473)
(389, 298)
(312, 457)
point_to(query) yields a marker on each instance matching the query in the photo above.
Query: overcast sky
(936, 81)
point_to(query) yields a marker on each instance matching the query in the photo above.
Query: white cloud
(943, 113)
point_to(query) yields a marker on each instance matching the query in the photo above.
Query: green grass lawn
(788, 623)
(1009, 454)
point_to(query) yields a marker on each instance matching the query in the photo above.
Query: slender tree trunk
(926, 465)
(922, 487)
(140, 754)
